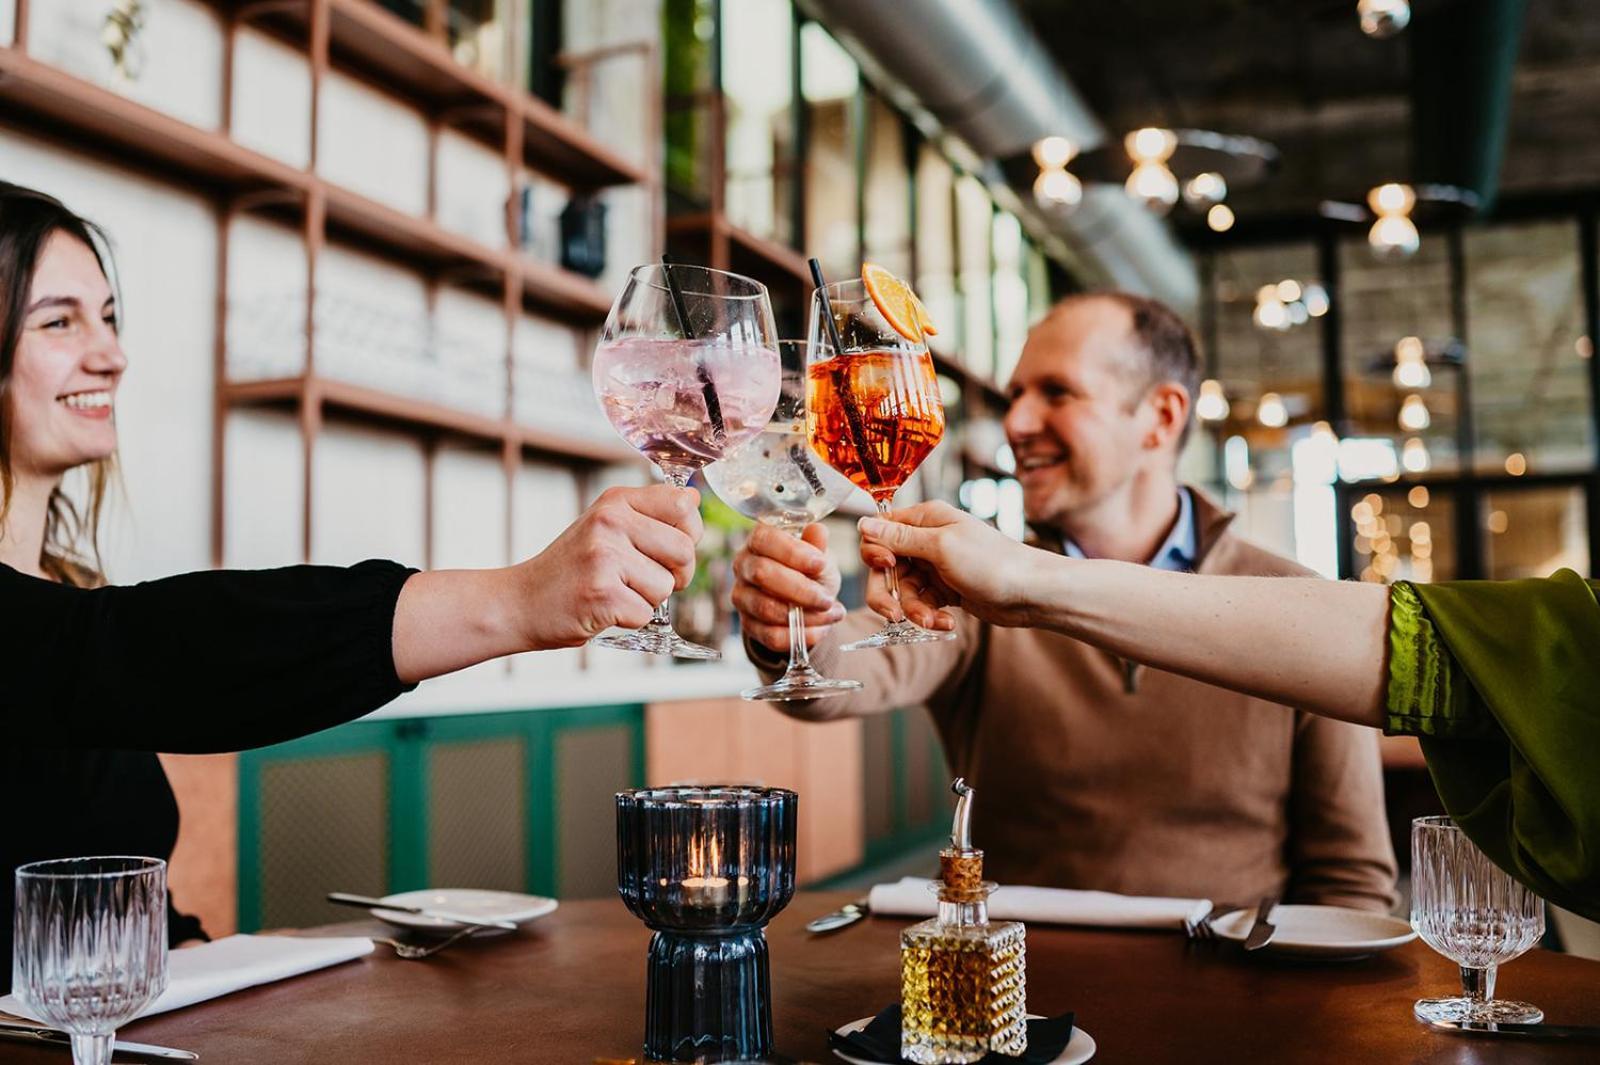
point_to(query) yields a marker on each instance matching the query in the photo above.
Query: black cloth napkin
(880, 1041)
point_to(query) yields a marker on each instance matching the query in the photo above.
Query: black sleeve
(182, 927)
(204, 662)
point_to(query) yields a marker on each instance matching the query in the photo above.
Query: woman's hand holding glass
(628, 552)
(945, 557)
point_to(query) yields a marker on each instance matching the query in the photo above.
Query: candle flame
(704, 856)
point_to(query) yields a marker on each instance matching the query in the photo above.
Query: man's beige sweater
(1093, 773)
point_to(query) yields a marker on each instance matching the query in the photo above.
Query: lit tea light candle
(703, 887)
(705, 868)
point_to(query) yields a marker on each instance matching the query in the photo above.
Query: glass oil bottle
(963, 987)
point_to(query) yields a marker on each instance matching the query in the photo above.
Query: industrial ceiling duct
(979, 71)
(1463, 58)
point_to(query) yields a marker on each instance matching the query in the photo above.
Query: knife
(364, 902)
(1261, 932)
(26, 1033)
(843, 917)
(1569, 1032)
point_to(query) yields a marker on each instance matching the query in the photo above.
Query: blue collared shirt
(1177, 552)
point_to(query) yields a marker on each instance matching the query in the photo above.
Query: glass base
(708, 997)
(1487, 1011)
(899, 632)
(657, 641)
(800, 684)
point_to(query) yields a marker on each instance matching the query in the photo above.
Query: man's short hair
(1170, 350)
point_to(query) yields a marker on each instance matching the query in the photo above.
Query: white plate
(468, 902)
(1321, 931)
(1079, 1048)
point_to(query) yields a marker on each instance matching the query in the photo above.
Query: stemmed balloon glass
(1474, 913)
(91, 946)
(778, 480)
(873, 410)
(686, 370)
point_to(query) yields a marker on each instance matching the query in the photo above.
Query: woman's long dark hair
(28, 219)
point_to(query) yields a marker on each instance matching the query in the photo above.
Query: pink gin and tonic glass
(687, 370)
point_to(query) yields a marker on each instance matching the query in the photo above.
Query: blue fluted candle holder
(706, 869)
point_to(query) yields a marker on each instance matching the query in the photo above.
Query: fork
(1203, 929)
(412, 952)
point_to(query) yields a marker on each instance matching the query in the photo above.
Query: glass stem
(91, 1049)
(1478, 984)
(678, 477)
(799, 654)
(891, 577)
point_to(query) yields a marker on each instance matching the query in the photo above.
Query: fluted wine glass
(91, 946)
(779, 481)
(1474, 913)
(686, 371)
(873, 411)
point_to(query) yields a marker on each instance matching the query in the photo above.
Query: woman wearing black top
(96, 678)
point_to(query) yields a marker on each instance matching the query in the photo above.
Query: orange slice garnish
(923, 318)
(894, 300)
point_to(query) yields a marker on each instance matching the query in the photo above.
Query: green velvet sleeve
(1501, 681)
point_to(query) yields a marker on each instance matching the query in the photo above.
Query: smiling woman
(59, 367)
(98, 677)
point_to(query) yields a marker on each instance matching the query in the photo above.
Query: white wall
(372, 144)
(473, 188)
(271, 98)
(544, 503)
(263, 490)
(266, 300)
(366, 496)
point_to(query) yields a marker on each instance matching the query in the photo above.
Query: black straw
(841, 378)
(707, 389)
(797, 455)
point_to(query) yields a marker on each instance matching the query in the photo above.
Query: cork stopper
(961, 864)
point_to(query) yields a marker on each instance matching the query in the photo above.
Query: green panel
(478, 814)
(323, 828)
(546, 857)
(877, 777)
(408, 807)
(356, 740)
(592, 765)
(359, 806)
(914, 767)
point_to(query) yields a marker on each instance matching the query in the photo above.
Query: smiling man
(1098, 773)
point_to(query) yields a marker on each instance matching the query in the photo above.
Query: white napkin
(212, 970)
(1100, 909)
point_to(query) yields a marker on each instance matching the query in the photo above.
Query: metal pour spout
(961, 827)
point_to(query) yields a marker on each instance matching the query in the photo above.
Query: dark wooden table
(570, 989)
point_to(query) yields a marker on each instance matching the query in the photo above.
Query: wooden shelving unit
(724, 246)
(361, 403)
(362, 40)
(378, 47)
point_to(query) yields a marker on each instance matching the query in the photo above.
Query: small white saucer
(467, 902)
(1079, 1048)
(1328, 932)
